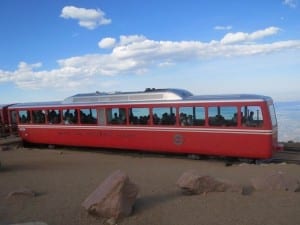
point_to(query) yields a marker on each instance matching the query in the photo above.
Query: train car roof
(149, 95)
(4, 105)
(230, 97)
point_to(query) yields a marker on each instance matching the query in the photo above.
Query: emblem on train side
(178, 139)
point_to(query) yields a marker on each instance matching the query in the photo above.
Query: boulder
(192, 183)
(113, 198)
(276, 181)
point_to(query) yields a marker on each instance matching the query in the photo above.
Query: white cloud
(223, 27)
(231, 38)
(88, 18)
(137, 54)
(290, 3)
(107, 42)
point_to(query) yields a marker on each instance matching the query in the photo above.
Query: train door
(13, 126)
(2, 125)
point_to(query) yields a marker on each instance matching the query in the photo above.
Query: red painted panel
(219, 142)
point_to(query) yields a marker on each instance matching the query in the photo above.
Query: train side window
(273, 115)
(70, 116)
(88, 116)
(139, 116)
(38, 116)
(222, 116)
(252, 116)
(54, 116)
(24, 116)
(164, 116)
(192, 116)
(116, 116)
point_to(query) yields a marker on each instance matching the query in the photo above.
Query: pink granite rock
(192, 183)
(113, 198)
(276, 181)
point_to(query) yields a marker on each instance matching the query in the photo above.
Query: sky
(50, 50)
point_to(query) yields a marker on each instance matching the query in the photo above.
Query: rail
(290, 154)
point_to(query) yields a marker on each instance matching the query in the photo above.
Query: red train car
(157, 120)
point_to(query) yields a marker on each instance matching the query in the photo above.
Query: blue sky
(53, 49)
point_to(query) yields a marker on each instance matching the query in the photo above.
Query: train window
(38, 116)
(70, 116)
(222, 116)
(116, 116)
(164, 116)
(24, 116)
(192, 116)
(88, 116)
(54, 116)
(139, 116)
(252, 116)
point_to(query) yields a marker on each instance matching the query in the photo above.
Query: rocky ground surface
(50, 185)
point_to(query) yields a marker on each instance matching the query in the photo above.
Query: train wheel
(51, 146)
(194, 156)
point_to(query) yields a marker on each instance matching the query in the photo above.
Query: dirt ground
(63, 178)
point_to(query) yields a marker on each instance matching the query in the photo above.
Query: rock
(22, 192)
(110, 221)
(277, 181)
(192, 183)
(247, 190)
(113, 198)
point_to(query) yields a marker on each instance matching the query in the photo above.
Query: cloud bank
(136, 54)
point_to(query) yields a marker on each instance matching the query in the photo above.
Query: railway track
(290, 154)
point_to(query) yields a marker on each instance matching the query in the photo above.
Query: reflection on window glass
(88, 116)
(252, 116)
(70, 116)
(24, 116)
(192, 116)
(116, 116)
(164, 116)
(139, 116)
(222, 116)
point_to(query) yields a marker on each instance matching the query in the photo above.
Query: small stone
(22, 192)
(30, 223)
(247, 190)
(110, 221)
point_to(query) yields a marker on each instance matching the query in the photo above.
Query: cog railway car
(155, 120)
